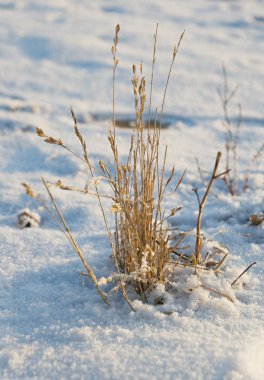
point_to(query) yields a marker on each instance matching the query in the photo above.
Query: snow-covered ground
(56, 54)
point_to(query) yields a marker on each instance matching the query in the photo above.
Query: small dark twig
(202, 202)
(197, 195)
(222, 174)
(251, 265)
(200, 171)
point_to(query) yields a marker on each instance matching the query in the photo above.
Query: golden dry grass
(144, 249)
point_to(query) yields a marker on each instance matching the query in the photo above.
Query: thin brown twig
(251, 265)
(201, 206)
(217, 292)
(75, 245)
(231, 135)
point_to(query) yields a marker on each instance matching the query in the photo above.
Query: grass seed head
(28, 190)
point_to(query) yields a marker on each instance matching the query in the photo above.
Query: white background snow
(56, 54)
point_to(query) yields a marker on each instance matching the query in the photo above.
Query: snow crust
(56, 54)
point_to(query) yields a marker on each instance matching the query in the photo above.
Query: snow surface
(56, 54)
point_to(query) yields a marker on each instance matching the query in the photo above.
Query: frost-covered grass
(53, 323)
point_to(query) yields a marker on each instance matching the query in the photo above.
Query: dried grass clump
(141, 243)
(144, 249)
(142, 239)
